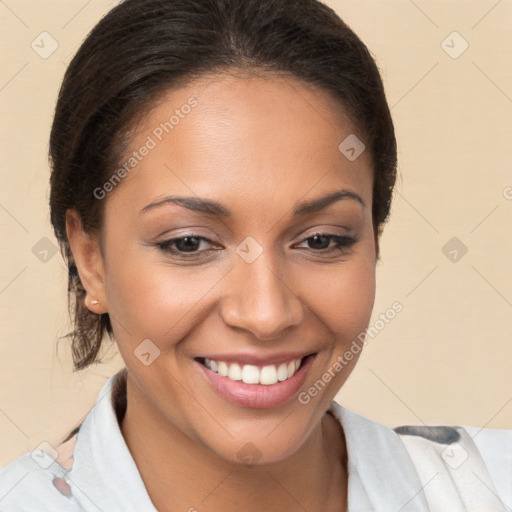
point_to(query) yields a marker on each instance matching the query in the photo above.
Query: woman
(221, 174)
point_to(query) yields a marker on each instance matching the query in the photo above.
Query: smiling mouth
(252, 374)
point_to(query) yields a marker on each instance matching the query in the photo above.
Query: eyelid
(326, 229)
(202, 231)
(193, 232)
(337, 244)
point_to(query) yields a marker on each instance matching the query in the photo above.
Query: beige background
(444, 359)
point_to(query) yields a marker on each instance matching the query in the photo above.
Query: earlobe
(89, 262)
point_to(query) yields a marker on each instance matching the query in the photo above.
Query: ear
(89, 262)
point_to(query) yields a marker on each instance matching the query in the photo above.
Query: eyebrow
(214, 208)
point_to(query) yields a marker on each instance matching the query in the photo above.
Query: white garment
(95, 472)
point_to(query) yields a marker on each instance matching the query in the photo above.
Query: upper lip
(258, 360)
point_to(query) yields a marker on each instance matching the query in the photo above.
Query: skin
(258, 145)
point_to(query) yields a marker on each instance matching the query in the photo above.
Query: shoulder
(495, 448)
(457, 464)
(86, 469)
(37, 480)
(493, 445)
(474, 462)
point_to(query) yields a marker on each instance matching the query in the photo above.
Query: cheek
(156, 300)
(342, 296)
(163, 301)
(344, 301)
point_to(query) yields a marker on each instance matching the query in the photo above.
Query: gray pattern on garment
(441, 434)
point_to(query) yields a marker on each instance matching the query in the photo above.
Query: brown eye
(186, 244)
(320, 242)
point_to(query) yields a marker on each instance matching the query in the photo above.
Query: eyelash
(342, 244)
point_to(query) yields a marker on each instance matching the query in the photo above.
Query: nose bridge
(260, 300)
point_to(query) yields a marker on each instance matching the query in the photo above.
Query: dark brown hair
(143, 48)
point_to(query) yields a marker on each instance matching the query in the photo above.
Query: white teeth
(251, 374)
(222, 368)
(282, 372)
(268, 375)
(235, 372)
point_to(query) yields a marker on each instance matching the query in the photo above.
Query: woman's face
(251, 286)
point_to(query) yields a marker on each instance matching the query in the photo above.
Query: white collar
(381, 474)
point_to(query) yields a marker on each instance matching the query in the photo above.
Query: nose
(260, 299)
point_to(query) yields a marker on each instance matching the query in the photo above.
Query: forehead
(244, 139)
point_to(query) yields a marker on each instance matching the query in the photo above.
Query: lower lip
(258, 396)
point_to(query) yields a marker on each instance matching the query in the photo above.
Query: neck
(181, 474)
